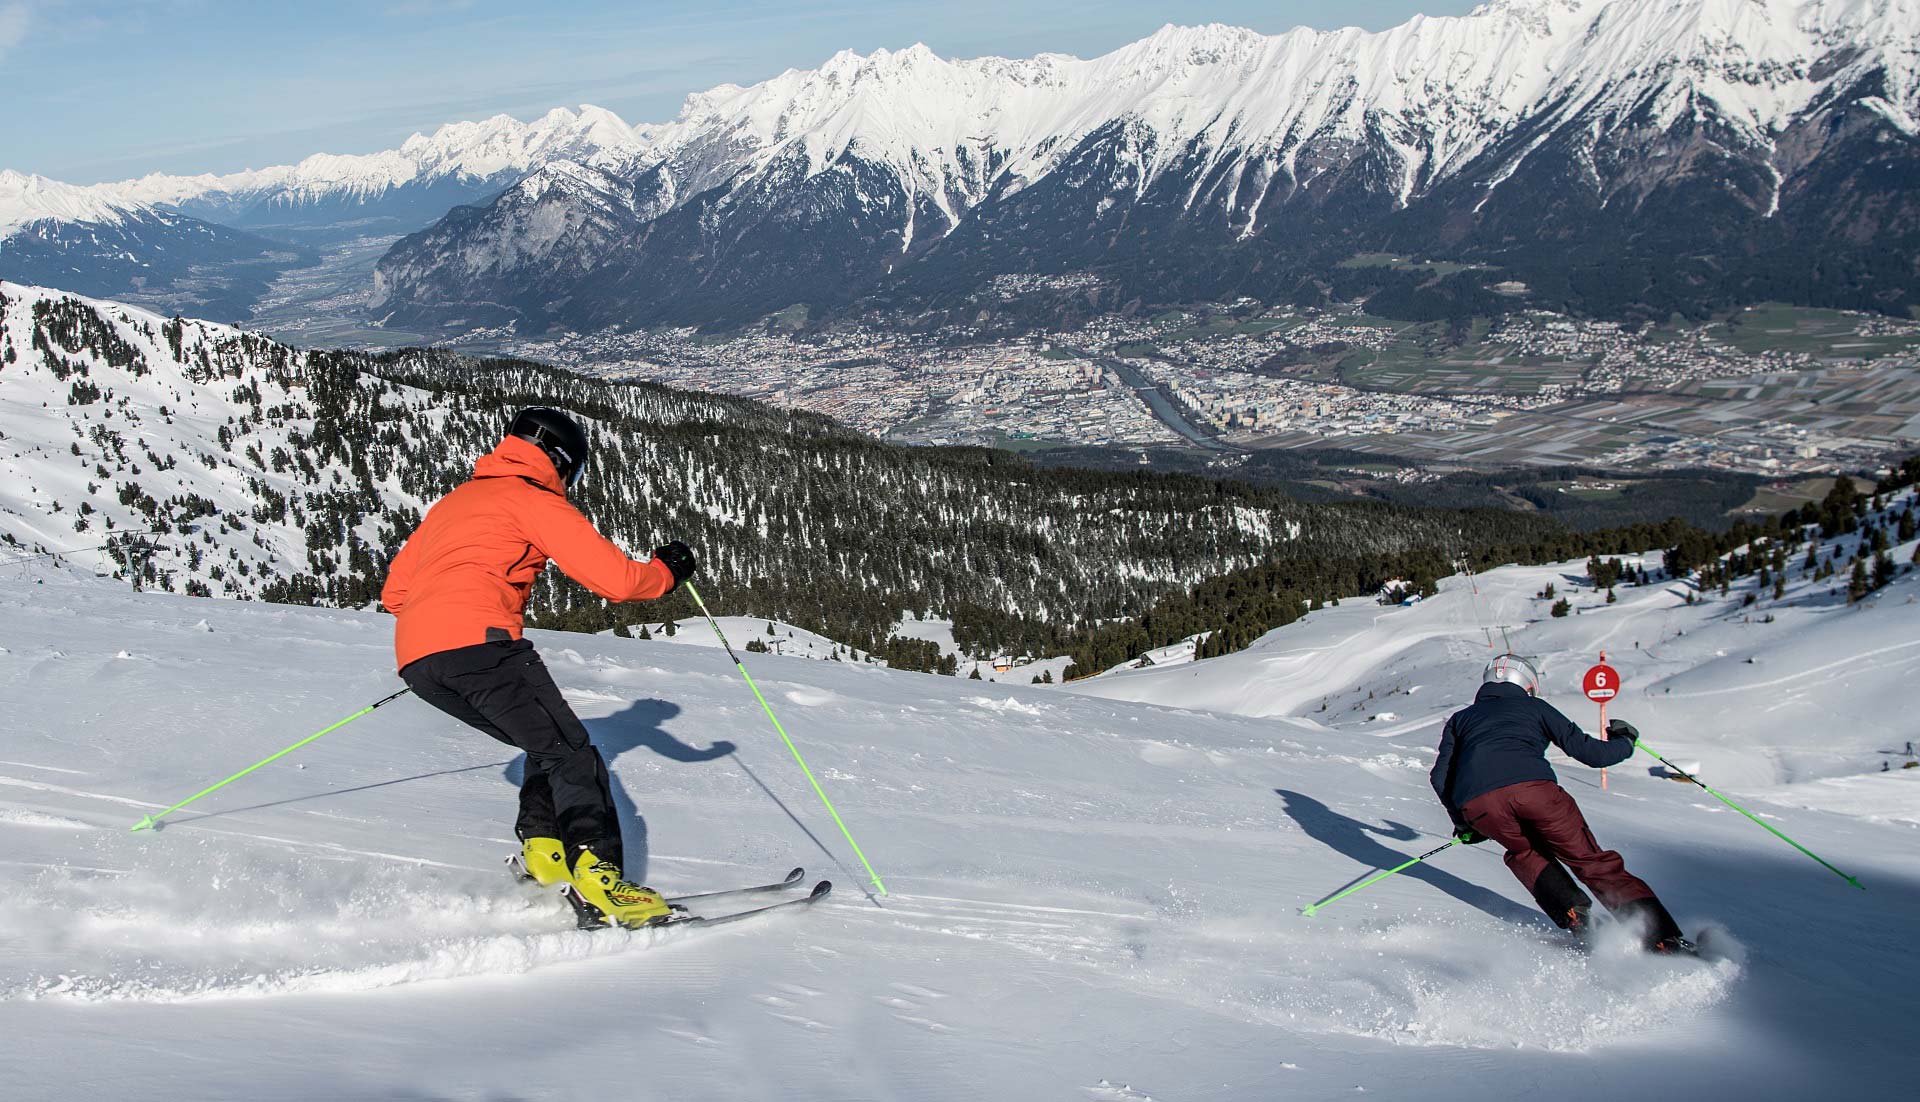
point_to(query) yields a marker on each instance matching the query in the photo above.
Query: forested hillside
(218, 462)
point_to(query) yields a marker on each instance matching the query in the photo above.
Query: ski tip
(798, 874)
(821, 889)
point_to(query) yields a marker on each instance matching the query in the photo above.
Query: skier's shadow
(1350, 837)
(640, 725)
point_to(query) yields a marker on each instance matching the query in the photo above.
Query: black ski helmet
(560, 436)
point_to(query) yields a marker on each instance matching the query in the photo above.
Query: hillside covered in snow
(1089, 898)
(214, 461)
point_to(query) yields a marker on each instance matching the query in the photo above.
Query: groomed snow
(1090, 898)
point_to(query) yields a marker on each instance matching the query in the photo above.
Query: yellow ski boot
(544, 861)
(599, 884)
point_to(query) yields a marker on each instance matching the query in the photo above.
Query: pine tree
(1857, 584)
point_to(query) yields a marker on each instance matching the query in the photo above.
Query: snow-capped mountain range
(1536, 135)
(1616, 155)
(462, 158)
(97, 240)
(208, 244)
(427, 174)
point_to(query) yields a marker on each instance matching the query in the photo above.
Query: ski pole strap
(1312, 907)
(784, 737)
(151, 821)
(1769, 826)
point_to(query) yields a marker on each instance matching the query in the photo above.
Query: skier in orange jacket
(459, 589)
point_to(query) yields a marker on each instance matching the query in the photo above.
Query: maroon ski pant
(1542, 830)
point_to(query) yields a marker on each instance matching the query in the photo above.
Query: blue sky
(91, 90)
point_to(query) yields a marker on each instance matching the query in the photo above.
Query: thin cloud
(415, 9)
(15, 21)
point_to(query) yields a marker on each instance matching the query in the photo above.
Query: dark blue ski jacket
(1501, 739)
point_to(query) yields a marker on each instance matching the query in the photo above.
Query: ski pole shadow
(331, 792)
(641, 725)
(1350, 837)
(851, 877)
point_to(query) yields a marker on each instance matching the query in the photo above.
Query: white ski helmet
(1514, 670)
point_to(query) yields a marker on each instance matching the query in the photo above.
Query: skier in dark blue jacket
(1492, 775)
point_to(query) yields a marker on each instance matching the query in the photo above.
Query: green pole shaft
(1749, 814)
(1312, 907)
(784, 737)
(151, 821)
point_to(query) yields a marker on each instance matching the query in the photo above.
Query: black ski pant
(504, 689)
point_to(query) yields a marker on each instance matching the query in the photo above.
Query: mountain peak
(28, 198)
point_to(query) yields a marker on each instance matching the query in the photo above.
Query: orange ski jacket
(464, 575)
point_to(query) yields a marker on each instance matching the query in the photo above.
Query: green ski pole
(795, 750)
(152, 821)
(1748, 814)
(1312, 907)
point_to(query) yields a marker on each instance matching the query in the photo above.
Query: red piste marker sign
(1602, 683)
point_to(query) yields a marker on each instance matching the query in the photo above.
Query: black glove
(1467, 836)
(679, 559)
(1620, 728)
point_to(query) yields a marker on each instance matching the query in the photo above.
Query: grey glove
(1620, 728)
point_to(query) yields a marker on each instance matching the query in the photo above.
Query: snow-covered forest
(217, 462)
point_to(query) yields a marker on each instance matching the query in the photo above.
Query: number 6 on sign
(1602, 684)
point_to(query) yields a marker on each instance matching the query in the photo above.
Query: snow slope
(1811, 688)
(1090, 899)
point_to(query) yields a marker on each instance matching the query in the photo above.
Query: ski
(793, 880)
(588, 917)
(819, 892)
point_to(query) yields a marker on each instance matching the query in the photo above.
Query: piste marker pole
(152, 821)
(784, 737)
